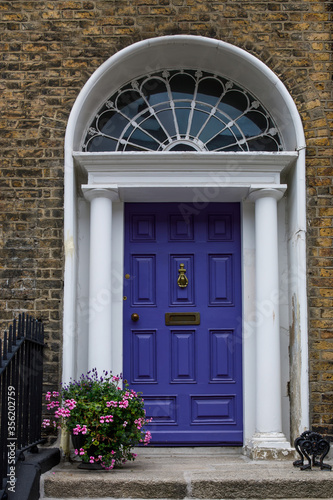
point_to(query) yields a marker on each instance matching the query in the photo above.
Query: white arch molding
(196, 177)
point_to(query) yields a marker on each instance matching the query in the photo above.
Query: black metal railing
(21, 380)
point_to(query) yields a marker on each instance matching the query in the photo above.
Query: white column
(268, 363)
(100, 293)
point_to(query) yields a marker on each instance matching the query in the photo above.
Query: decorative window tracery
(182, 110)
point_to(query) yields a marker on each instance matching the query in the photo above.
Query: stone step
(177, 475)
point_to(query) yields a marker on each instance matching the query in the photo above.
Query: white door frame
(182, 177)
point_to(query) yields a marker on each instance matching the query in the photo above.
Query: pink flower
(91, 460)
(53, 404)
(76, 452)
(76, 429)
(62, 412)
(147, 438)
(110, 467)
(138, 422)
(113, 404)
(46, 423)
(70, 403)
(82, 452)
(106, 418)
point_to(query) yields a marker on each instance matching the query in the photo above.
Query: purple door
(182, 320)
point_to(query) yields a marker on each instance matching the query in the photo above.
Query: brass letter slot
(174, 319)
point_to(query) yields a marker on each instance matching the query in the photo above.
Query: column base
(269, 446)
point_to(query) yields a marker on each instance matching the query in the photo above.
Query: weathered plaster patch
(258, 453)
(69, 246)
(295, 370)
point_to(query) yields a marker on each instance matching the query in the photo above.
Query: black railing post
(21, 384)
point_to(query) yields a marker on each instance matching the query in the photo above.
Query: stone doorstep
(178, 475)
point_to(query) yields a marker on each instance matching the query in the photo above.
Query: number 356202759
(11, 410)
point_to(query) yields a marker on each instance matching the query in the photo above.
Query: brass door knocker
(182, 280)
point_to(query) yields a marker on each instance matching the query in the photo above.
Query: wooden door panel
(189, 369)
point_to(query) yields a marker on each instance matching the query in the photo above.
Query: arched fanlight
(182, 110)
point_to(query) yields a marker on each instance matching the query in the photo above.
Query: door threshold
(190, 450)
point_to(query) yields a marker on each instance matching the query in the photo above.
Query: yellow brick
(35, 47)
(113, 21)
(326, 212)
(70, 5)
(326, 232)
(320, 76)
(161, 11)
(322, 323)
(14, 17)
(327, 335)
(323, 345)
(315, 17)
(51, 15)
(124, 31)
(319, 141)
(327, 356)
(84, 15)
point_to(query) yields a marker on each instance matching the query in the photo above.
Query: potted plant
(105, 420)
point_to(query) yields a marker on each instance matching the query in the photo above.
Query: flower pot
(78, 441)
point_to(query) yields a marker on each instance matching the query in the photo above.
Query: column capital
(256, 192)
(91, 192)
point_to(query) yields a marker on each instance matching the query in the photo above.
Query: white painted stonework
(271, 190)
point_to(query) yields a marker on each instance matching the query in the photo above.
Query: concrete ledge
(262, 489)
(28, 473)
(95, 485)
(196, 476)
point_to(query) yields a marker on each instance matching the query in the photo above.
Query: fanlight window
(182, 110)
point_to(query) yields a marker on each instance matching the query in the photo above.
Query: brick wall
(49, 49)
